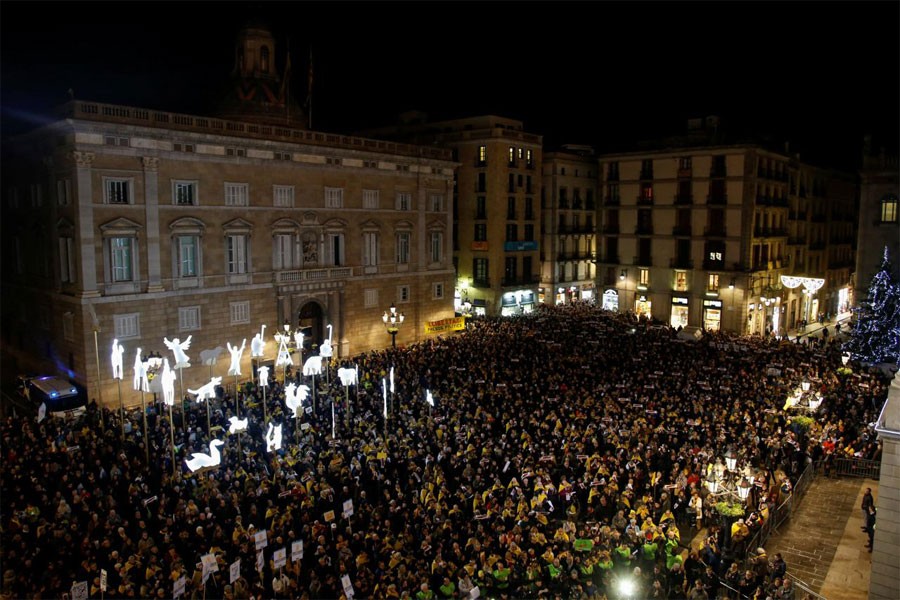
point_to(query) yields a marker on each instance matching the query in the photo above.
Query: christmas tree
(876, 337)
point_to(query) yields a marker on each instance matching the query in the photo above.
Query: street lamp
(730, 460)
(711, 482)
(743, 490)
(392, 322)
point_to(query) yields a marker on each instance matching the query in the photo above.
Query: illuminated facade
(879, 217)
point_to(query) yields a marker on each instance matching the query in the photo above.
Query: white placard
(261, 539)
(348, 587)
(475, 592)
(280, 557)
(259, 561)
(80, 590)
(103, 580)
(297, 551)
(234, 571)
(178, 587)
(348, 509)
(209, 563)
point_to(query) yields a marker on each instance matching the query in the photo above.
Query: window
(437, 291)
(121, 252)
(370, 199)
(370, 297)
(264, 59)
(233, 151)
(188, 318)
(236, 254)
(684, 163)
(183, 147)
(188, 255)
(889, 209)
(436, 203)
(184, 193)
(680, 281)
(117, 191)
(370, 249)
(402, 255)
(283, 196)
(529, 208)
(529, 232)
(37, 197)
(334, 249)
(240, 312)
(68, 323)
(510, 273)
(482, 155)
(127, 326)
(712, 282)
(644, 276)
(334, 197)
(67, 269)
(480, 232)
(111, 140)
(480, 207)
(237, 194)
(529, 159)
(482, 183)
(281, 155)
(480, 269)
(64, 192)
(402, 293)
(437, 246)
(404, 201)
(647, 168)
(511, 207)
(512, 156)
(284, 251)
(512, 232)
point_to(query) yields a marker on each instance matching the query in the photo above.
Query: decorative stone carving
(83, 159)
(151, 163)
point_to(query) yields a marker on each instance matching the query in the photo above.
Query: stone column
(885, 575)
(85, 227)
(151, 208)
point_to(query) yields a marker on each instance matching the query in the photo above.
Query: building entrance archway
(311, 319)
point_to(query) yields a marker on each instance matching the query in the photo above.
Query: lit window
(680, 281)
(645, 277)
(712, 284)
(889, 209)
(482, 154)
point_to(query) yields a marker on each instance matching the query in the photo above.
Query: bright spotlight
(626, 587)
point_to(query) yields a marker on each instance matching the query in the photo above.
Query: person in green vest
(622, 555)
(447, 588)
(501, 576)
(424, 593)
(532, 576)
(554, 570)
(648, 554)
(586, 575)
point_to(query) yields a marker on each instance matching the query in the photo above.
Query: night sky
(608, 74)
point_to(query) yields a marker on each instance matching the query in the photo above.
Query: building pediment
(120, 224)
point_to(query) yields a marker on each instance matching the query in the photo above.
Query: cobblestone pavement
(823, 541)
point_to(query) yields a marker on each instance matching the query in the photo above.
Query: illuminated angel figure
(167, 382)
(116, 357)
(235, 368)
(263, 376)
(178, 347)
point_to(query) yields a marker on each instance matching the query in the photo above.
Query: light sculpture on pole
(116, 359)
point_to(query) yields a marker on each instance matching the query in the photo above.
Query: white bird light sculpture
(237, 424)
(273, 438)
(200, 460)
(294, 395)
(178, 347)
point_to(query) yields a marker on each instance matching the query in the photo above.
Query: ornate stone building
(134, 224)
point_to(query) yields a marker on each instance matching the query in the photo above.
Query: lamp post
(622, 277)
(152, 362)
(392, 322)
(731, 307)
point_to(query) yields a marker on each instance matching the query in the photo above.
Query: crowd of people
(564, 456)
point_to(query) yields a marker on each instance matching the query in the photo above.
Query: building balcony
(684, 199)
(611, 229)
(644, 200)
(685, 173)
(681, 230)
(581, 255)
(681, 263)
(608, 259)
(306, 275)
(647, 174)
(481, 283)
(642, 261)
(715, 232)
(713, 265)
(643, 230)
(719, 199)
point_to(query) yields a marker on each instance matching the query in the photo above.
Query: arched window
(889, 209)
(264, 59)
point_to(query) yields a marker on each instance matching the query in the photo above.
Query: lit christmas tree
(876, 338)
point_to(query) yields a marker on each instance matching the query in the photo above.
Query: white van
(60, 398)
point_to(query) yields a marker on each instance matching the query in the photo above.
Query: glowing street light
(392, 322)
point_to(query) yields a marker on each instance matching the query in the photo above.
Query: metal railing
(857, 467)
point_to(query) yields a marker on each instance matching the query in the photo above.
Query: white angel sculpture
(167, 382)
(201, 460)
(116, 357)
(178, 347)
(235, 368)
(273, 438)
(140, 372)
(257, 345)
(263, 376)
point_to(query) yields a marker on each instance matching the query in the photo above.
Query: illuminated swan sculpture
(201, 460)
(237, 424)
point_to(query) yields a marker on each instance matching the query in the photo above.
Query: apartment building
(879, 222)
(568, 225)
(697, 232)
(134, 224)
(495, 215)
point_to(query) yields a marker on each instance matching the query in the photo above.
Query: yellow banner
(451, 324)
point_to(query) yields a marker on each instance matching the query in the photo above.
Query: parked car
(60, 397)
